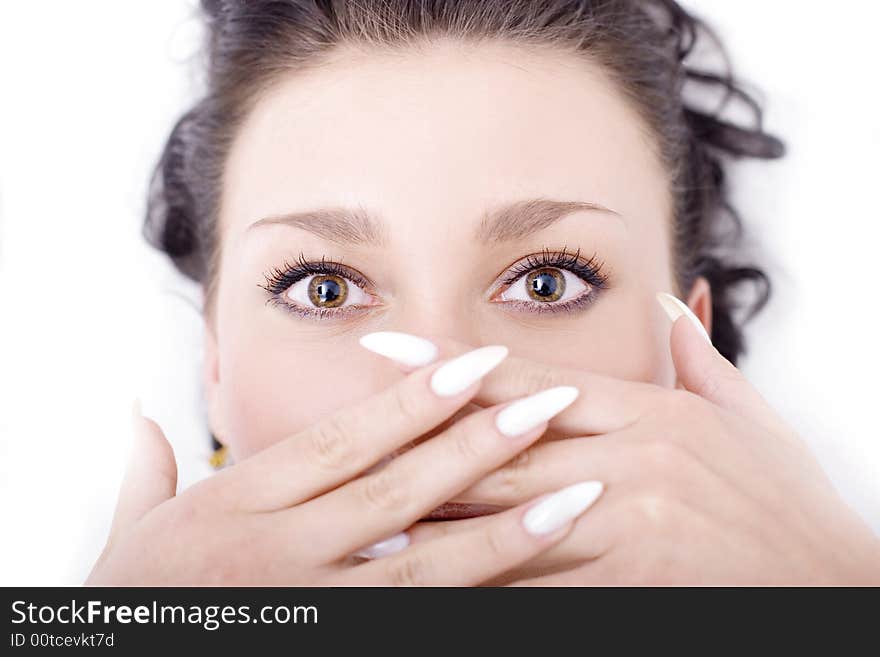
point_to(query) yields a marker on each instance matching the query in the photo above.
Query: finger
(549, 465)
(348, 442)
(652, 481)
(608, 524)
(470, 557)
(409, 487)
(642, 511)
(702, 369)
(642, 450)
(151, 476)
(608, 404)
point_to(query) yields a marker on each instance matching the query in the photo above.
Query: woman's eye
(320, 291)
(546, 285)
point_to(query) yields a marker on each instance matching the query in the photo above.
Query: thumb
(702, 369)
(151, 476)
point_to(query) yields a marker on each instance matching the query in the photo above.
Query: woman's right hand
(293, 513)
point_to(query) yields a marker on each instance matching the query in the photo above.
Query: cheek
(636, 347)
(625, 337)
(272, 392)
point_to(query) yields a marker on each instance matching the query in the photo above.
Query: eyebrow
(341, 225)
(508, 222)
(517, 220)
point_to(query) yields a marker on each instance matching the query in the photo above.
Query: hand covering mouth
(447, 510)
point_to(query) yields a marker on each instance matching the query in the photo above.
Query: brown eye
(545, 284)
(327, 290)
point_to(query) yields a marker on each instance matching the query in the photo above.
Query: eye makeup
(588, 272)
(280, 280)
(546, 275)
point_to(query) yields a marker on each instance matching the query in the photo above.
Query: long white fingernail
(563, 506)
(384, 548)
(527, 413)
(459, 373)
(404, 348)
(675, 308)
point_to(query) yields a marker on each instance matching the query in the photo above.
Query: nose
(453, 333)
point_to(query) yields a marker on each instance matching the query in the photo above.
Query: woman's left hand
(703, 485)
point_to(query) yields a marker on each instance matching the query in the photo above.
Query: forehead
(445, 128)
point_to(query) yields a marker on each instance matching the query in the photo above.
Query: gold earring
(220, 458)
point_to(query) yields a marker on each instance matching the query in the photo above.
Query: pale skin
(704, 482)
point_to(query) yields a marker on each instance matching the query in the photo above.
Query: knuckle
(383, 490)
(661, 456)
(404, 403)
(512, 475)
(331, 444)
(716, 379)
(408, 571)
(496, 545)
(464, 442)
(653, 509)
(536, 377)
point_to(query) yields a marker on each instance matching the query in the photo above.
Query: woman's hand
(704, 485)
(295, 512)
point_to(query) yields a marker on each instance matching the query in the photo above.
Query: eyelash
(280, 279)
(591, 271)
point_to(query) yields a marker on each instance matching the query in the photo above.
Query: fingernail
(563, 506)
(527, 413)
(403, 348)
(459, 373)
(384, 548)
(675, 308)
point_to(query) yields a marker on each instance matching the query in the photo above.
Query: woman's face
(435, 155)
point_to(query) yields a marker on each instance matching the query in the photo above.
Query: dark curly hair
(644, 45)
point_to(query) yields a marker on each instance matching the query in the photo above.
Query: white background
(90, 317)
